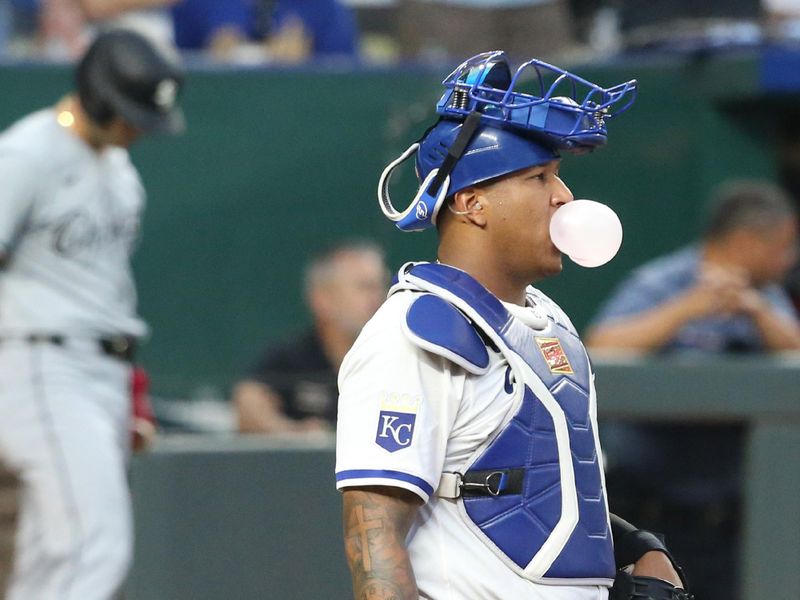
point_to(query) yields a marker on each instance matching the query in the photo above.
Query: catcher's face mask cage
(558, 111)
(564, 107)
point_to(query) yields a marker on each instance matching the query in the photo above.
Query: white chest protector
(534, 490)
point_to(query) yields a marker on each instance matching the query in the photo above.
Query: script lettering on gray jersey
(78, 231)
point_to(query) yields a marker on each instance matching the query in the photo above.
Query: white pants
(64, 415)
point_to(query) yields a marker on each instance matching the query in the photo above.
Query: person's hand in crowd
(719, 290)
(226, 42)
(752, 303)
(290, 44)
(314, 425)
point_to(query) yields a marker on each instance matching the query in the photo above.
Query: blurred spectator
(782, 18)
(220, 27)
(293, 386)
(328, 27)
(286, 31)
(788, 158)
(153, 20)
(722, 295)
(66, 26)
(62, 29)
(22, 25)
(438, 29)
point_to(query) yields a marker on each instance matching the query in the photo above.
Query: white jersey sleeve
(397, 405)
(20, 179)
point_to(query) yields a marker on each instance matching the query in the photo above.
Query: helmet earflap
(99, 112)
(436, 186)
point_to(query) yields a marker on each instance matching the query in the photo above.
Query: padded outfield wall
(277, 163)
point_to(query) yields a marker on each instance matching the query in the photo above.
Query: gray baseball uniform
(69, 217)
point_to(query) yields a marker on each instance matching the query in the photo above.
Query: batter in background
(70, 209)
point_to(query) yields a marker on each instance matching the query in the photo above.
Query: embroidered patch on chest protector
(554, 356)
(396, 421)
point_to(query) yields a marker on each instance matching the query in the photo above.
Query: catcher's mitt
(632, 587)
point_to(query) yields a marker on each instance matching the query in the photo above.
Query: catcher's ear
(467, 203)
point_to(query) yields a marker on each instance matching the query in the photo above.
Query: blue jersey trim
(378, 473)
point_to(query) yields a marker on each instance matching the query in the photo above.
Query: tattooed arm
(376, 522)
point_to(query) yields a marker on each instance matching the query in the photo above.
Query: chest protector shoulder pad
(439, 327)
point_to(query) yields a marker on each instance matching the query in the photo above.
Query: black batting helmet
(124, 74)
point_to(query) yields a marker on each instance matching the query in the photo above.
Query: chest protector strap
(534, 490)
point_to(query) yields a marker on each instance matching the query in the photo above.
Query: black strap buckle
(121, 347)
(493, 482)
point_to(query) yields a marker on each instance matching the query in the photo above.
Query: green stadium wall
(278, 163)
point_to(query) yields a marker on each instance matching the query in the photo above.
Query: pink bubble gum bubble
(589, 232)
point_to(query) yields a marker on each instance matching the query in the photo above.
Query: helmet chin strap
(423, 209)
(456, 149)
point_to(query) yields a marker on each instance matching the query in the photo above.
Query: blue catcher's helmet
(489, 128)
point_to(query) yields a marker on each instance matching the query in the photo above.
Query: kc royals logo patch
(554, 356)
(396, 421)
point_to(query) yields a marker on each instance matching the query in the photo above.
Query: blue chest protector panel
(519, 524)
